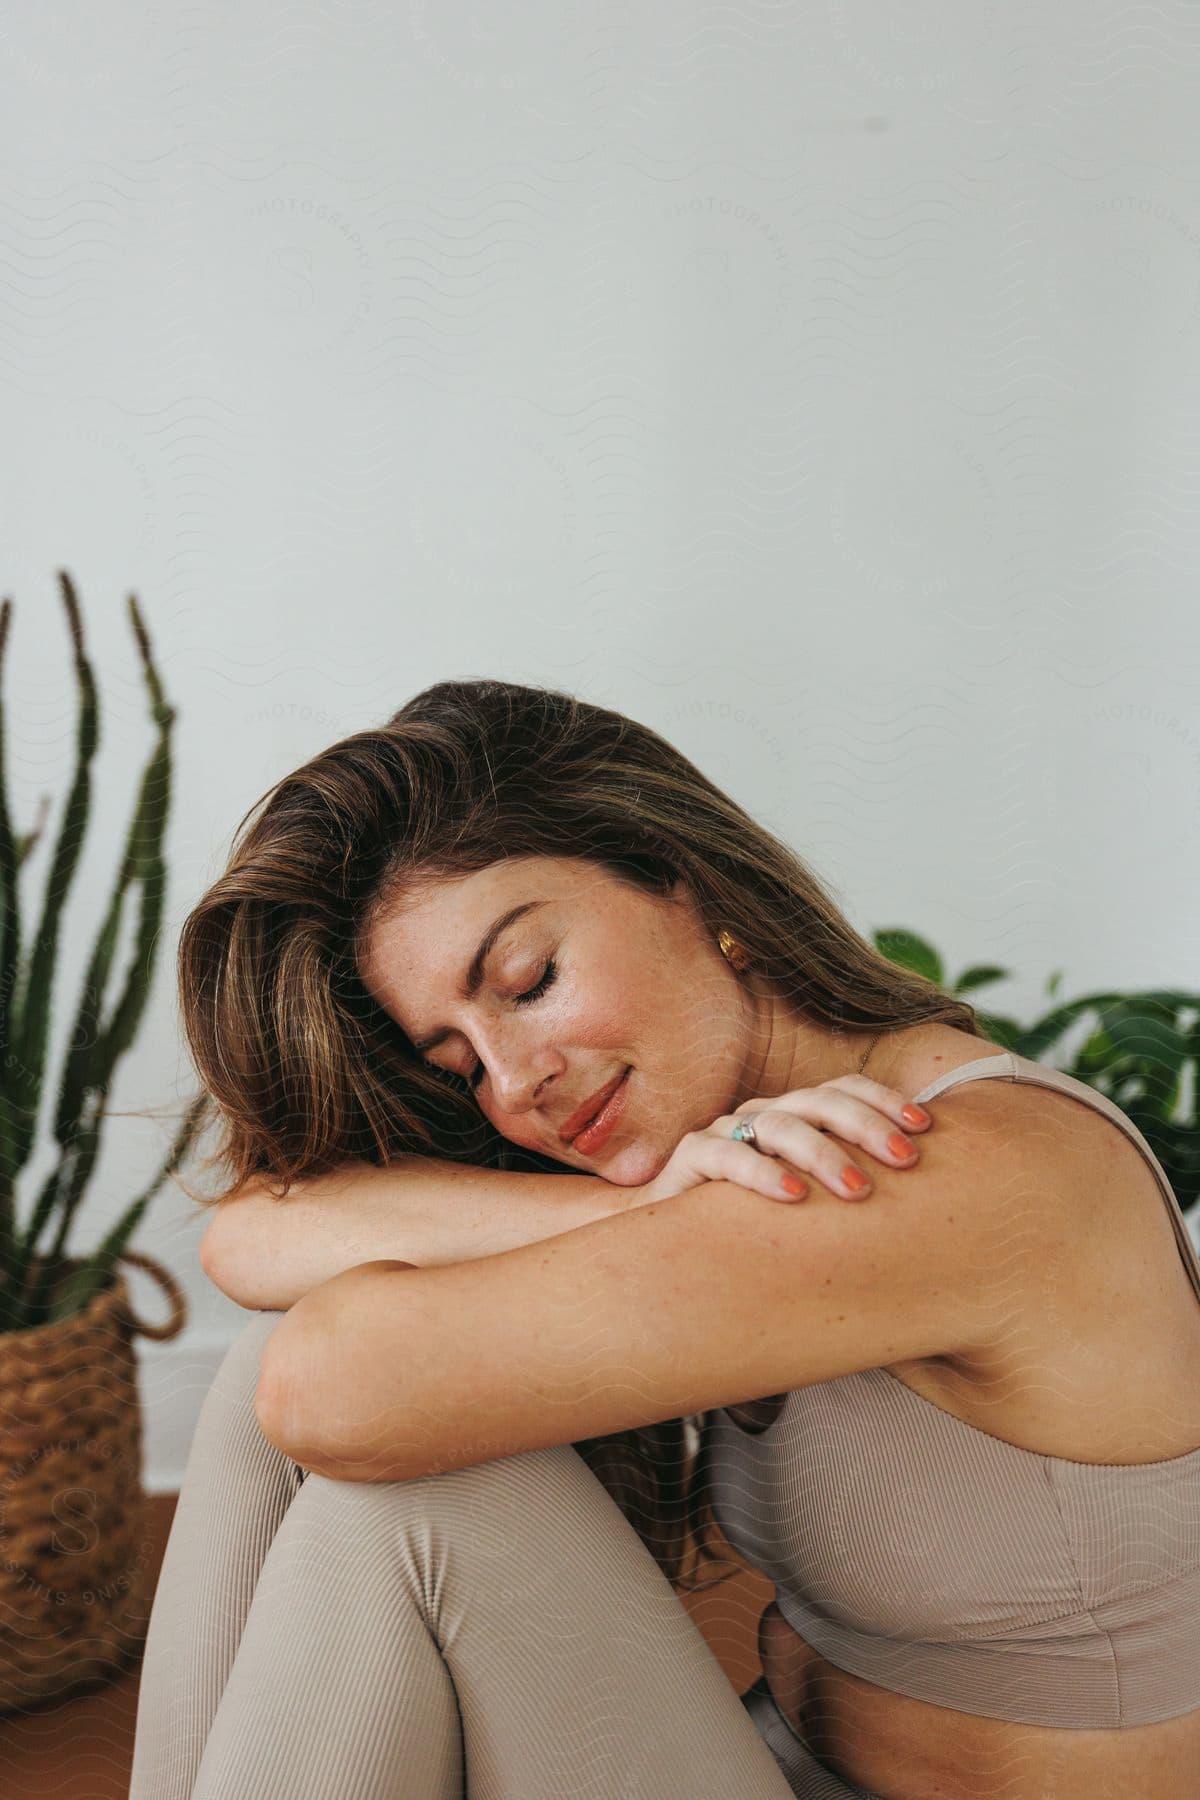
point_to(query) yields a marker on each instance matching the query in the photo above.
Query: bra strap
(1010, 1066)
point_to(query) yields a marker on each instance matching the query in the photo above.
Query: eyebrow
(474, 977)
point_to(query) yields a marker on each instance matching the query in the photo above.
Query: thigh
(574, 1668)
(235, 1492)
(561, 1630)
(338, 1690)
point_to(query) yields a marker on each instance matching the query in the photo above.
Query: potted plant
(74, 1576)
(1140, 1050)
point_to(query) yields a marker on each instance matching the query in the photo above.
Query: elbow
(310, 1402)
(305, 1401)
(283, 1400)
(278, 1423)
(224, 1263)
(212, 1253)
(269, 1411)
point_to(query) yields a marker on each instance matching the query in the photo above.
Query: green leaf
(1096, 1055)
(120, 1233)
(1006, 1032)
(1140, 1033)
(908, 951)
(1037, 1039)
(34, 1286)
(34, 1005)
(10, 898)
(76, 1288)
(981, 975)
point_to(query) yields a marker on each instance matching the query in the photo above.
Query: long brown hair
(305, 1071)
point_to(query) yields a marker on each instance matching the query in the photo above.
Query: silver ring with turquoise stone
(744, 1131)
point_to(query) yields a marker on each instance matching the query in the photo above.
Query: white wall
(818, 384)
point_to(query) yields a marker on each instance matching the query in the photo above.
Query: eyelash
(549, 976)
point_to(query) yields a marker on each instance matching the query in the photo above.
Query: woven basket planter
(75, 1575)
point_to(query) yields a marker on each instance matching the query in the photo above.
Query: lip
(579, 1118)
(593, 1137)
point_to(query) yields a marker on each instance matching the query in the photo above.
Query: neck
(788, 1052)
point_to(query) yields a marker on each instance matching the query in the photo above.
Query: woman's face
(597, 977)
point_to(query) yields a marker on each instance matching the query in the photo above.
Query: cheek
(613, 1007)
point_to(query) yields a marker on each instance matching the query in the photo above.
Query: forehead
(429, 932)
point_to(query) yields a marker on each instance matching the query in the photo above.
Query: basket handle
(170, 1287)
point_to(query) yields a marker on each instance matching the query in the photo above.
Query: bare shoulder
(1089, 1302)
(1076, 1208)
(1077, 1159)
(1033, 1170)
(1049, 1165)
(1038, 1131)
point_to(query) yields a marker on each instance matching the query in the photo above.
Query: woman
(393, 1569)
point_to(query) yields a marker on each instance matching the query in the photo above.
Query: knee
(511, 1492)
(510, 1521)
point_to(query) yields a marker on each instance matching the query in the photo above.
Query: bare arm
(266, 1253)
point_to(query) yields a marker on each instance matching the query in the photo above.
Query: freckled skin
(641, 982)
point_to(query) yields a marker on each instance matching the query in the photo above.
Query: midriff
(905, 1749)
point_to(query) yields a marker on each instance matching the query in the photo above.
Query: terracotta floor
(82, 1748)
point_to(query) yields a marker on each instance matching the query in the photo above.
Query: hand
(789, 1133)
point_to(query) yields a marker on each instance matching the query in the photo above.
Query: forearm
(266, 1253)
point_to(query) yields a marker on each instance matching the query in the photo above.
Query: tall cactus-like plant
(38, 1281)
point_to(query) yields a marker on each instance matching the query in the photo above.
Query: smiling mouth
(588, 1123)
(603, 1121)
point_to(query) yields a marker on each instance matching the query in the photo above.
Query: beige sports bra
(938, 1561)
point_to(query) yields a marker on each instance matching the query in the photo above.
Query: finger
(865, 1123)
(890, 1100)
(782, 1134)
(725, 1159)
(855, 1120)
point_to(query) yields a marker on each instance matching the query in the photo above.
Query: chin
(623, 1170)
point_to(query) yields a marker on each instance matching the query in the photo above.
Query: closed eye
(549, 976)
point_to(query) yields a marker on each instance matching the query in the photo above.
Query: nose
(519, 1076)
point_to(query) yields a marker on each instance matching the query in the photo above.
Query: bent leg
(498, 1631)
(236, 1489)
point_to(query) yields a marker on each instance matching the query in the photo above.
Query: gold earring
(737, 954)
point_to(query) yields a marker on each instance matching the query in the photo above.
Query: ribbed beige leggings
(499, 1632)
